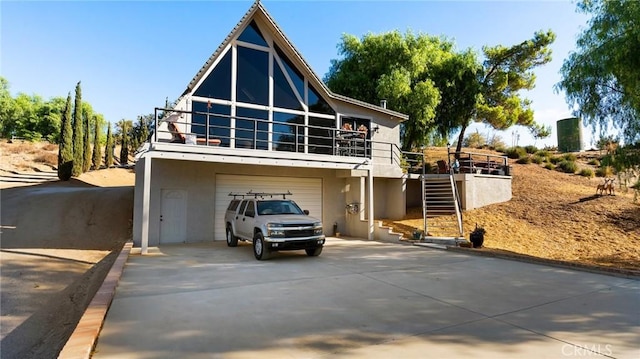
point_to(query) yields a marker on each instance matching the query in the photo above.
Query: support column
(146, 195)
(371, 229)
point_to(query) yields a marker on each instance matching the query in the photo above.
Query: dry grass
(27, 156)
(556, 216)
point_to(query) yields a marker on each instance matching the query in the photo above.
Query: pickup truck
(272, 225)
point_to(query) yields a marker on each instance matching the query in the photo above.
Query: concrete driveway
(364, 299)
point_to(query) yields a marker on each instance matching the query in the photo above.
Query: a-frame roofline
(258, 10)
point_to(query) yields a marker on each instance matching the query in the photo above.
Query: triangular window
(318, 104)
(252, 35)
(283, 94)
(294, 74)
(218, 83)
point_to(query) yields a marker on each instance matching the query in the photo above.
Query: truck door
(246, 215)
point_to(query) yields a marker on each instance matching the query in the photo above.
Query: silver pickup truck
(272, 225)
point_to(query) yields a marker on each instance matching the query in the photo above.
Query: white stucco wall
(339, 188)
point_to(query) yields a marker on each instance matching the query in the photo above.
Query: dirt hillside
(557, 216)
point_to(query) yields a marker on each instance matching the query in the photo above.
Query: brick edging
(84, 337)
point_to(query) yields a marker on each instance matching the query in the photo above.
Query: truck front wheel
(260, 249)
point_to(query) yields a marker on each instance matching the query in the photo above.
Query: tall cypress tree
(78, 135)
(108, 150)
(96, 159)
(65, 148)
(86, 162)
(124, 143)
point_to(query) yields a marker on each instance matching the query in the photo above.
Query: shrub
(515, 152)
(567, 166)
(47, 158)
(50, 147)
(555, 159)
(538, 159)
(543, 153)
(524, 160)
(569, 157)
(496, 143)
(550, 166)
(586, 172)
(500, 149)
(531, 149)
(604, 171)
(594, 162)
(474, 140)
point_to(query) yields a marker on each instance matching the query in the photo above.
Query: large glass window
(217, 118)
(253, 76)
(294, 74)
(252, 128)
(283, 95)
(318, 104)
(288, 132)
(253, 35)
(321, 135)
(218, 83)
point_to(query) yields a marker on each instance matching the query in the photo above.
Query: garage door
(307, 193)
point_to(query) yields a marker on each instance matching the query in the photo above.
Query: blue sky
(130, 55)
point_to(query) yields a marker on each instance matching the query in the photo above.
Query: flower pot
(476, 239)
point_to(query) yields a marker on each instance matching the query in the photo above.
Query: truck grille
(296, 233)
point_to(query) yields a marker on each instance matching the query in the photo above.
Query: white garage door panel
(307, 193)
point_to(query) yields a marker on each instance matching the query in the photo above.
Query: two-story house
(257, 118)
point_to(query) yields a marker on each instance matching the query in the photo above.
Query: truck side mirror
(306, 211)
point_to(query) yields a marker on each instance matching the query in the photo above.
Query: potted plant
(417, 234)
(477, 236)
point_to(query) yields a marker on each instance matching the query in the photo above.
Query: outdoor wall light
(353, 208)
(376, 129)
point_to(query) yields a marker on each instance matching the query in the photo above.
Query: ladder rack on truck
(262, 195)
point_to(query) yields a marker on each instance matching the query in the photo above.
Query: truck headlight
(317, 228)
(275, 230)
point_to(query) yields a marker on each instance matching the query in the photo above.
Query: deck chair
(443, 167)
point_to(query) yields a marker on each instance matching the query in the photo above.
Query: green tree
(108, 150)
(602, 78)
(439, 89)
(475, 140)
(394, 67)
(539, 131)
(124, 127)
(505, 72)
(96, 158)
(65, 149)
(86, 162)
(78, 134)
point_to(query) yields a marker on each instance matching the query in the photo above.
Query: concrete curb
(84, 337)
(617, 272)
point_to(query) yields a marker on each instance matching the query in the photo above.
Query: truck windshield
(278, 207)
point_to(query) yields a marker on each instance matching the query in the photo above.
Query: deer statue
(602, 187)
(609, 187)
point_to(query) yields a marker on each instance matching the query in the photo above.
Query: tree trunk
(460, 139)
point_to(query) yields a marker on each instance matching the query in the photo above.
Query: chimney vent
(383, 103)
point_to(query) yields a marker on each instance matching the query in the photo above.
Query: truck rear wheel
(314, 252)
(232, 240)
(260, 249)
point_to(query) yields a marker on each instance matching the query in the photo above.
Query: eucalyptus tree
(601, 79)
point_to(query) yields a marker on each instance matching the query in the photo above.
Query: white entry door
(173, 216)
